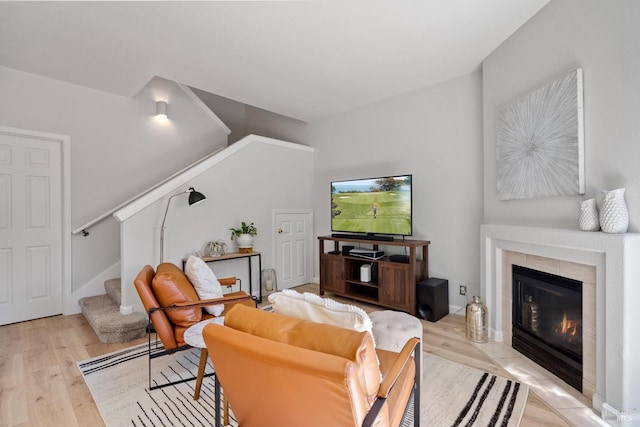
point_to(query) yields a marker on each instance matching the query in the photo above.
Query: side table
(193, 337)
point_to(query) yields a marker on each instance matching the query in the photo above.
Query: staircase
(103, 314)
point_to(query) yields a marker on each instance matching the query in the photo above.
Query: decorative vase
(477, 322)
(244, 240)
(614, 216)
(217, 248)
(589, 220)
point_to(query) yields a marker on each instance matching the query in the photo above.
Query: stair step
(103, 314)
(113, 288)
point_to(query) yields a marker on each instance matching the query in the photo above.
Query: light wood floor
(40, 384)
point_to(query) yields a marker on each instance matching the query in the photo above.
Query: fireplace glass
(547, 322)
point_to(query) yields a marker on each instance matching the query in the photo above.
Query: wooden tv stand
(392, 285)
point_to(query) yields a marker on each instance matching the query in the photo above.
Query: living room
(443, 134)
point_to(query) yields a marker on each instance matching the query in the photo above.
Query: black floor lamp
(195, 197)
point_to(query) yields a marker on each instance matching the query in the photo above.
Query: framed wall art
(540, 142)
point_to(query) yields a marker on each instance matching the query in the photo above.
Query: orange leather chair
(277, 370)
(173, 306)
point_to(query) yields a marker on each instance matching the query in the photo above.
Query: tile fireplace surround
(616, 258)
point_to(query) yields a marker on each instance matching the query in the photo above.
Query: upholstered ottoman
(392, 329)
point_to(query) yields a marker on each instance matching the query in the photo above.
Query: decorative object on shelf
(217, 248)
(589, 219)
(477, 318)
(540, 142)
(244, 236)
(195, 197)
(614, 216)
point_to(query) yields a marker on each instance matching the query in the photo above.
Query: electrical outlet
(463, 290)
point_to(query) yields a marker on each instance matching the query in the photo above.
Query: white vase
(244, 240)
(589, 220)
(614, 217)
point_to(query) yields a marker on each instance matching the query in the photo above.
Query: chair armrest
(229, 281)
(390, 379)
(202, 303)
(398, 365)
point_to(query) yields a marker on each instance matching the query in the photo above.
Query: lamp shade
(195, 196)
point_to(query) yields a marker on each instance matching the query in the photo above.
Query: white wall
(117, 148)
(436, 135)
(602, 38)
(246, 186)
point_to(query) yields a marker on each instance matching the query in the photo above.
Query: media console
(392, 284)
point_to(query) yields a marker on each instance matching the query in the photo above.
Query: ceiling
(302, 59)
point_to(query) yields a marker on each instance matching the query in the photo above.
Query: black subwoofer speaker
(432, 298)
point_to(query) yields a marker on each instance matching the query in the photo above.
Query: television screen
(372, 206)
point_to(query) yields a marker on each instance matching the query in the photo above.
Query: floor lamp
(195, 197)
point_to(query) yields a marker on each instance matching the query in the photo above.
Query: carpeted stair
(103, 314)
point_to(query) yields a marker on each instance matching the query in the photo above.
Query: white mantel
(616, 258)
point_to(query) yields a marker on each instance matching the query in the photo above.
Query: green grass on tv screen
(378, 212)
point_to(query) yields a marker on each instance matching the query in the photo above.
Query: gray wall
(245, 120)
(118, 149)
(602, 38)
(436, 135)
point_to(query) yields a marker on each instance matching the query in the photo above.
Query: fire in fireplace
(547, 322)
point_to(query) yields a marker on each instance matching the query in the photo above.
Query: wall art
(540, 142)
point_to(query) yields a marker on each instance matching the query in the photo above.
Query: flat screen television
(372, 206)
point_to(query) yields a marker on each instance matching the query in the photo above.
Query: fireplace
(547, 322)
(608, 268)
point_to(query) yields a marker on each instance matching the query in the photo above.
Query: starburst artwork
(540, 142)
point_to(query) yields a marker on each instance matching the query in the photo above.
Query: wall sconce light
(161, 110)
(195, 197)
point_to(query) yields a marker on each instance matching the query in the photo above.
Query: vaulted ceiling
(302, 59)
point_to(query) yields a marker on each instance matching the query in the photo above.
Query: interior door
(30, 228)
(293, 248)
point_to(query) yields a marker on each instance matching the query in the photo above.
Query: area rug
(457, 395)
(451, 395)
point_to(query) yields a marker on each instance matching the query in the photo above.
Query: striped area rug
(457, 395)
(119, 384)
(451, 395)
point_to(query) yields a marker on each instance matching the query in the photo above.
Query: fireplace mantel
(616, 258)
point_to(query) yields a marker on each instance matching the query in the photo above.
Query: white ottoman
(392, 329)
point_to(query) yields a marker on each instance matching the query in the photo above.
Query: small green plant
(244, 229)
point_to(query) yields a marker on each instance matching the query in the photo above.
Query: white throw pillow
(205, 283)
(313, 307)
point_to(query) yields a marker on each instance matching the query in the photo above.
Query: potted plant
(244, 234)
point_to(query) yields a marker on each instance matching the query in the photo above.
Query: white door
(30, 228)
(293, 248)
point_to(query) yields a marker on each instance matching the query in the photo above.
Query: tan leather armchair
(173, 306)
(278, 370)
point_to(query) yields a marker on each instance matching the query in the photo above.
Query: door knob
(279, 230)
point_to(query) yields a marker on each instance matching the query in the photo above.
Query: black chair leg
(217, 406)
